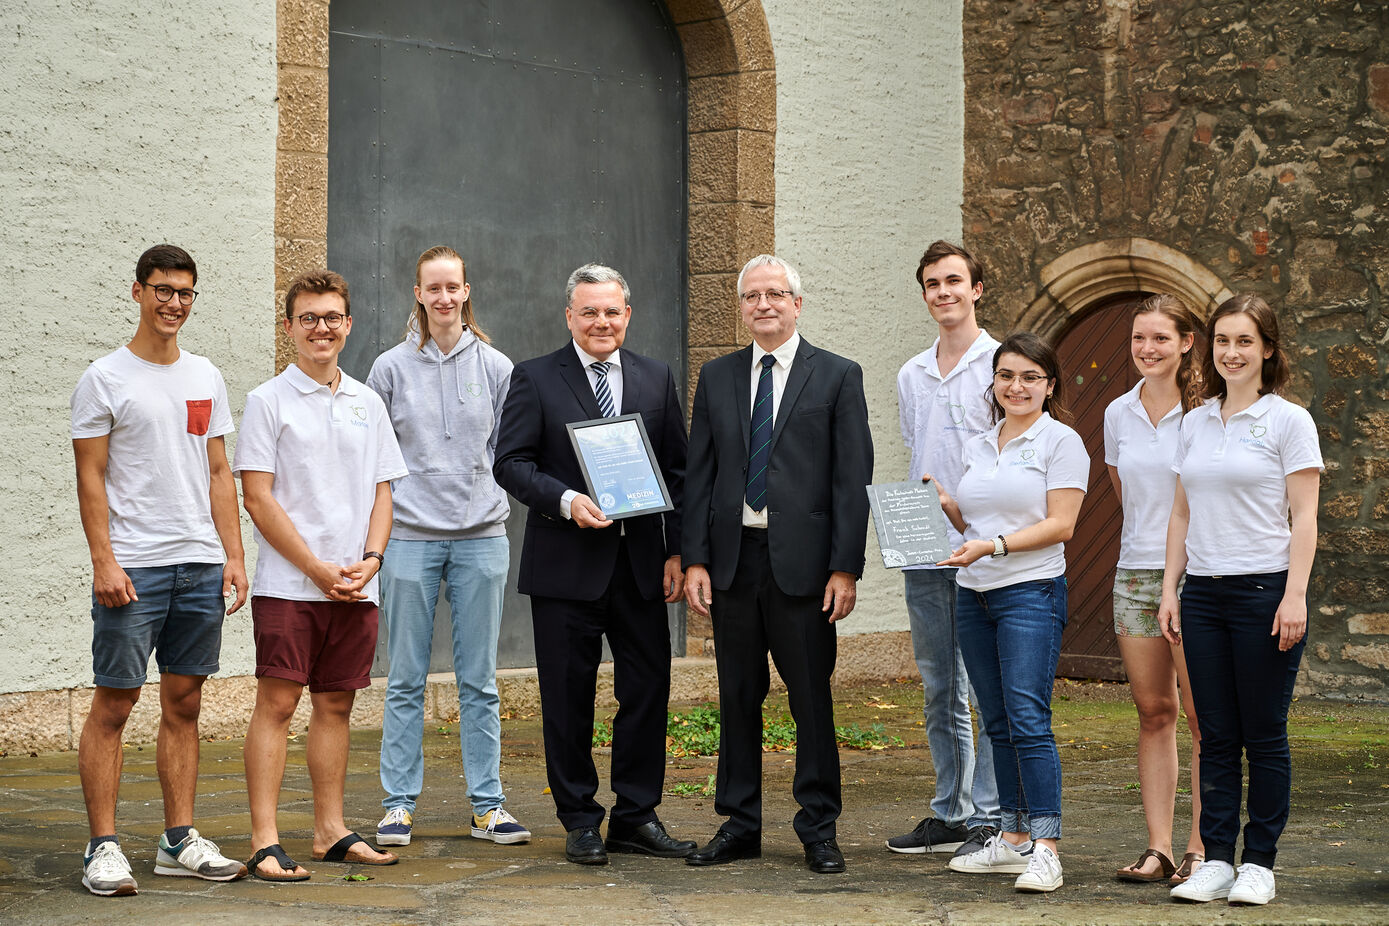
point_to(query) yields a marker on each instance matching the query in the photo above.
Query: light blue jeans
(475, 574)
(965, 788)
(1011, 640)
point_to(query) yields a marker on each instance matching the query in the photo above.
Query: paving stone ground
(1332, 867)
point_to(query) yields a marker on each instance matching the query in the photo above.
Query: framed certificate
(911, 526)
(619, 467)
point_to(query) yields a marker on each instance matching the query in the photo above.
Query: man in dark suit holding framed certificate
(588, 576)
(776, 518)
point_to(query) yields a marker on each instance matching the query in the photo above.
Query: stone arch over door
(1087, 297)
(731, 121)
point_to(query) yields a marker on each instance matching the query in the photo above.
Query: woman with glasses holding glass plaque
(1017, 504)
(444, 388)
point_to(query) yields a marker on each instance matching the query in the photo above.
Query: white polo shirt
(1143, 455)
(1000, 493)
(1235, 477)
(328, 452)
(940, 413)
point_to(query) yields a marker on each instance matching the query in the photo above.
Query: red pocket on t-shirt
(199, 415)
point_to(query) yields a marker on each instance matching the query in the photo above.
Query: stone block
(744, 100)
(1377, 86)
(873, 657)
(1374, 426)
(732, 165)
(1343, 507)
(1355, 540)
(1381, 509)
(714, 314)
(752, 37)
(301, 28)
(1351, 361)
(301, 195)
(294, 256)
(1029, 109)
(36, 721)
(303, 96)
(688, 11)
(723, 236)
(1369, 624)
(708, 48)
(1372, 655)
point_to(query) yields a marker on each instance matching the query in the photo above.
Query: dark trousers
(753, 617)
(1241, 685)
(568, 648)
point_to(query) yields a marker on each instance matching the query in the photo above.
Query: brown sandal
(1132, 873)
(1188, 865)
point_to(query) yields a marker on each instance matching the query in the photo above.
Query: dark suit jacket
(535, 462)
(821, 459)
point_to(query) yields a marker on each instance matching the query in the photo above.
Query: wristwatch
(380, 560)
(1000, 547)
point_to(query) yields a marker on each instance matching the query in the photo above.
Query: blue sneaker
(394, 828)
(500, 827)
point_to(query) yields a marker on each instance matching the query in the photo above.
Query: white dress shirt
(781, 369)
(614, 387)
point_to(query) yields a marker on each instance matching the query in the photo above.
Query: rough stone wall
(1250, 135)
(122, 125)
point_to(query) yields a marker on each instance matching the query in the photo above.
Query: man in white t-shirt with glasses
(158, 506)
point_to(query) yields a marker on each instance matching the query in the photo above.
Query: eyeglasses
(1006, 377)
(164, 293)
(309, 321)
(774, 297)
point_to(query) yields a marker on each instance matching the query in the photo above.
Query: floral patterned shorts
(1137, 594)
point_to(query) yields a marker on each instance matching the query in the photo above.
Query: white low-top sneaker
(1211, 881)
(1043, 873)
(107, 872)
(196, 857)
(998, 855)
(1254, 885)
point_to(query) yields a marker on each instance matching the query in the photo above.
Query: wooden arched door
(1094, 355)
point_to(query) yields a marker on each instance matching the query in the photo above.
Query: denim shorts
(178, 617)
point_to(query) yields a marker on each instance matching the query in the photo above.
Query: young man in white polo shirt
(316, 458)
(158, 506)
(943, 400)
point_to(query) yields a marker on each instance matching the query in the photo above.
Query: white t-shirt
(939, 414)
(1235, 477)
(328, 452)
(159, 418)
(1143, 455)
(1000, 493)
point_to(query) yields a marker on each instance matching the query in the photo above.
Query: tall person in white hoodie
(444, 387)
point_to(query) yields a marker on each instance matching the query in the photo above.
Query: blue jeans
(177, 615)
(475, 573)
(1241, 685)
(1011, 641)
(965, 788)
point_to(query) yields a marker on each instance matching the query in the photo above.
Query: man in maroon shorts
(316, 458)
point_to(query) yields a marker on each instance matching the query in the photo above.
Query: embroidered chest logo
(1256, 433)
(359, 415)
(474, 389)
(957, 413)
(1025, 457)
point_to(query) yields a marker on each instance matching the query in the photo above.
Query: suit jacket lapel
(573, 373)
(795, 382)
(631, 385)
(742, 394)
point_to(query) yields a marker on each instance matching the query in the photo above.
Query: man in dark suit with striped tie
(588, 576)
(776, 518)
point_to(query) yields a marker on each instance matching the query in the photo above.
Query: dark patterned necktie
(760, 445)
(600, 389)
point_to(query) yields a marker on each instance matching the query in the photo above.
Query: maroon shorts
(327, 645)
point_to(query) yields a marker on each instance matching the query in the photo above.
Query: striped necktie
(760, 443)
(600, 389)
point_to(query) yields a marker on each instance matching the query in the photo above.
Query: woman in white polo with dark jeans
(1244, 529)
(1018, 499)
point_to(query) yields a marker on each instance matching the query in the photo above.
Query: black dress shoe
(583, 846)
(650, 838)
(824, 857)
(725, 847)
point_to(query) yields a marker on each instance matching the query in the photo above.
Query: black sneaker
(978, 835)
(930, 835)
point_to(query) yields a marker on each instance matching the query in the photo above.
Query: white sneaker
(1212, 880)
(1253, 886)
(1043, 873)
(998, 855)
(107, 872)
(197, 857)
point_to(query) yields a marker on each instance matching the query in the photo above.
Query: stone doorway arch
(1079, 280)
(731, 120)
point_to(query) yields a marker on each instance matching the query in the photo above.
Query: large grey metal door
(531, 135)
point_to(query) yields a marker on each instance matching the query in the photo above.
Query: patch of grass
(692, 788)
(874, 737)
(778, 734)
(694, 732)
(1133, 786)
(603, 732)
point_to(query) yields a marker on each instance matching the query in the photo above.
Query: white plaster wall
(123, 123)
(869, 171)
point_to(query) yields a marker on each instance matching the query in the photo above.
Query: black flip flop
(277, 852)
(338, 853)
